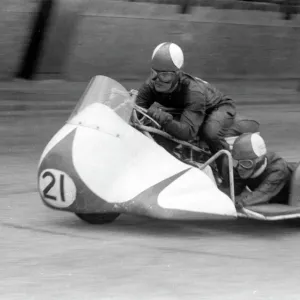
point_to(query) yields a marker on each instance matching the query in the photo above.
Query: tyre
(98, 218)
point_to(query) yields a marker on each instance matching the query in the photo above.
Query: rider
(205, 110)
(265, 173)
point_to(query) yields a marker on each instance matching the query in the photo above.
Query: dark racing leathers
(272, 186)
(205, 110)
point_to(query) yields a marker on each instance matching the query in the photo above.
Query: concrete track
(46, 254)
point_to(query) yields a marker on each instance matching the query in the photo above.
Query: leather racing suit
(271, 186)
(205, 110)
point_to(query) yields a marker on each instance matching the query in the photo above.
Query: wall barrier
(15, 24)
(116, 38)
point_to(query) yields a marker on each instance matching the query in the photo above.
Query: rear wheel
(98, 218)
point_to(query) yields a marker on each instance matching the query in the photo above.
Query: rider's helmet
(249, 155)
(167, 60)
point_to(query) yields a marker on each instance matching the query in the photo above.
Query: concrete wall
(15, 23)
(117, 38)
(59, 37)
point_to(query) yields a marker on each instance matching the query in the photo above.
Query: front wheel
(98, 218)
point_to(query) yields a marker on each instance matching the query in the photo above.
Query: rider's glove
(155, 111)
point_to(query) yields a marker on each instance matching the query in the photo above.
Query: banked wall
(116, 38)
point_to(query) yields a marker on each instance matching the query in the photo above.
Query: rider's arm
(269, 188)
(145, 96)
(239, 185)
(191, 118)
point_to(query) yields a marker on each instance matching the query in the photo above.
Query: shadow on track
(137, 226)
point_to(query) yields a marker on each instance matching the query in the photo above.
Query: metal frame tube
(168, 136)
(147, 129)
(230, 166)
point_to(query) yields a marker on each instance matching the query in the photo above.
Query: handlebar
(138, 123)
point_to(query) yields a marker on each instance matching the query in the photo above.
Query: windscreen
(109, 92)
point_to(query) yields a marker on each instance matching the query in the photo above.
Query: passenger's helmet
(249, 146)
(249, 154)
(167, 57)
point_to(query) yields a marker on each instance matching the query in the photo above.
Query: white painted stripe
(176, 55)
(157, 48)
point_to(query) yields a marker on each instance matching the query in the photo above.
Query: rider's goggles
(244, 163)
(163, 76)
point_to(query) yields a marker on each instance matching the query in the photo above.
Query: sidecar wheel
(292, 223)
(98, 218)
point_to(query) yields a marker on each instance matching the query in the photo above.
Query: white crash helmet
(249, 146)
(167, 57)
(249, 155)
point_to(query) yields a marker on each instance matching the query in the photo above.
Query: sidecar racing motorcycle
(111, 158)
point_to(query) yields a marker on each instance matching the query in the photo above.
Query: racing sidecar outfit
(205, 110)
(271, 186)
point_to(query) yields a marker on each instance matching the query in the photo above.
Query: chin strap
(260, 169)
(173, 87)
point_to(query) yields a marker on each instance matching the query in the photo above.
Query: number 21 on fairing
(57, 188)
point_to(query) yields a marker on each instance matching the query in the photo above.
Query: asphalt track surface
(45, 254)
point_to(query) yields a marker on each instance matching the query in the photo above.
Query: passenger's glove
(155, 111)
(239, 204)
(241, 200)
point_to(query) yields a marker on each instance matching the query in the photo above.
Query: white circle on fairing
(57, 188)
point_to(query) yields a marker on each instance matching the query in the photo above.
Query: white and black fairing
(99, 163)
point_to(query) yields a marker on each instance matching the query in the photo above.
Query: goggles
(244, 163)
(163, 76)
